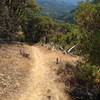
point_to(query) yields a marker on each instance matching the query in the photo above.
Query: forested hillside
(59, 9)
(55, 8)
(22, 21)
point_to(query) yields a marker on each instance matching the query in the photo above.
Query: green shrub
(86, 73)
(21, 37)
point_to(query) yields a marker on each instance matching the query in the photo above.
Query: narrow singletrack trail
(42, 85)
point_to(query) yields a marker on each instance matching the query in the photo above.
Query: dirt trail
(42, 84)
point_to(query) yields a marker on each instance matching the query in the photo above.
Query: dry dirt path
(42, 84)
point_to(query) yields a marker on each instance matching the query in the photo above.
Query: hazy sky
(74, 1)
(67, 1)
(70, 1)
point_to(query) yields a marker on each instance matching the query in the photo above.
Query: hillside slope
(14, 71)
(31, 78)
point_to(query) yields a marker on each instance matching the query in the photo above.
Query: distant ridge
(58, 8)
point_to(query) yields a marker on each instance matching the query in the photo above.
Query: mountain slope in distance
(59, 9)
(55, 8)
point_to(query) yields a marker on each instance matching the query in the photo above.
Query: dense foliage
(88, 20)
(11, 14)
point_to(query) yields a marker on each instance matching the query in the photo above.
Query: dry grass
(14, 70)
(53, 55)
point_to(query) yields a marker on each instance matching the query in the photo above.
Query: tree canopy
(88, 20)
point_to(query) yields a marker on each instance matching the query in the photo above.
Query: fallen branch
(70, 49)
(62, 49)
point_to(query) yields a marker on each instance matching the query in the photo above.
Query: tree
(38, 27)
(88, 20)
(29, 19)
(11, 19)
(12, 15)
